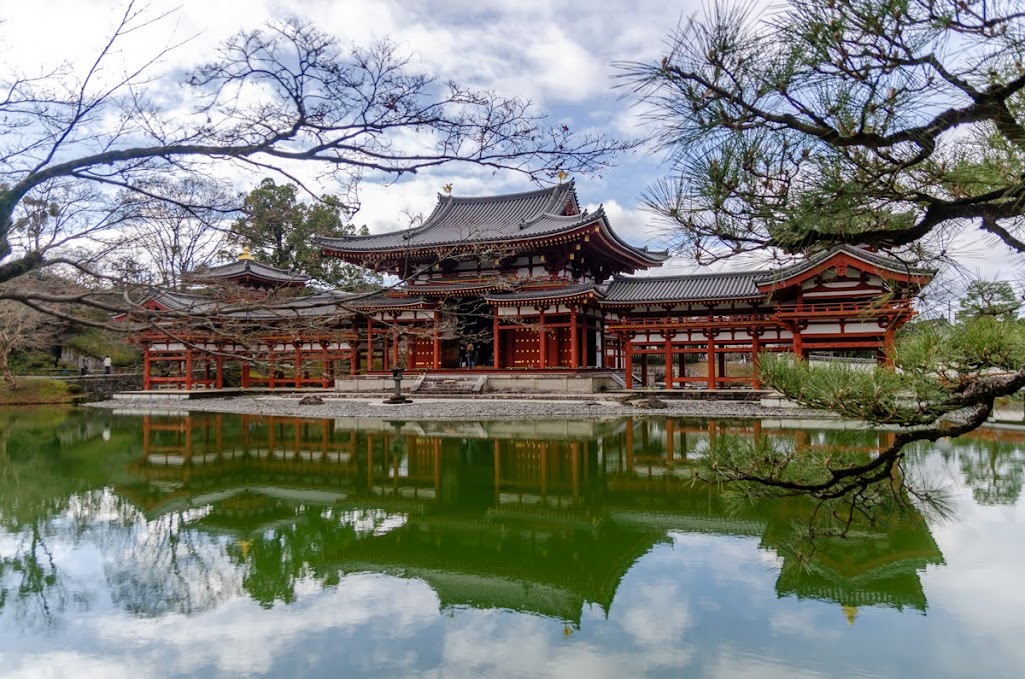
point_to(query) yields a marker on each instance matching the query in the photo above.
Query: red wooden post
(669, 361)
(628, 360)
(220, 372)
(245, 373)
(436, 359)
(188, 369)
(711, 362)
(574, 350)
(147, 368)
(496, 344)
(756, 349)
(798, 344)
(298, 363)
(370, 344)
(542, 340)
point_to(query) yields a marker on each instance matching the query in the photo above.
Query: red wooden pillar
(888, 341)
(644, 368)
(395, 346)
(542, 340)
(326, 371)
(669, 361)
(722, 364)
(436, 358)
(370, 344)
(147, 368)
(188, 369)
(245, 373)
(496, 345)
(628, 360)
(220, 372)
(272, 365)
(298, 365)
(574, 349)
(354, 356)
(711, 362)
(798, 343)
(756, 349)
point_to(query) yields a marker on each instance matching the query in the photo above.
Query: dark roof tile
(696, 288)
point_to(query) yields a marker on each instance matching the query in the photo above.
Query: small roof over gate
(247, 271)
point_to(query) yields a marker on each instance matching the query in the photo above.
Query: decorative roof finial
(447, 188)
(562, 176)
(245, 254)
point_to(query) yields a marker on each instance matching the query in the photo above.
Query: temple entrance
(467, 341)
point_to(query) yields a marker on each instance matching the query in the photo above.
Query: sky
(560, 55)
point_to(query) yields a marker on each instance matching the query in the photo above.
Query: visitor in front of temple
(471, 355)
(107, 364)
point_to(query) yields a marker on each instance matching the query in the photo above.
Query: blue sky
(559, 55)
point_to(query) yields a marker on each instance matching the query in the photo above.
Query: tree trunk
(5, 369)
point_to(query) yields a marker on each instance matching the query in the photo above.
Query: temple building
(528, 289)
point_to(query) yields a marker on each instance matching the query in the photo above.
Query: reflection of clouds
(240, 639)
(737, 663)
(802, 622)
(235, 638)
(495, 644)
(657, 614)
(980, 587)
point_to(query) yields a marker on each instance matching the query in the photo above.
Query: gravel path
(454, 409)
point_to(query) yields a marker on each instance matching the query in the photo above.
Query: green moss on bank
(98, 344)
(35, 391)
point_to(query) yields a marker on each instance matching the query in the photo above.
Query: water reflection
(161, 516)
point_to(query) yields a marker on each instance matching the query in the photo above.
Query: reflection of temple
(490, 515)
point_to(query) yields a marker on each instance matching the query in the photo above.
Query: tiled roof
(461, 288)
(697, 288)
(876, 259)
(486, 219)
(382, 300)
(571, 290)
(329, 303)
(251, 268)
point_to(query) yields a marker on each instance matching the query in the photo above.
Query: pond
(217, 545)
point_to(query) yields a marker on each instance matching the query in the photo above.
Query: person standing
(106, 364)
(471, 355)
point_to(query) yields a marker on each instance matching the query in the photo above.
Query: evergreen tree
(279, 230)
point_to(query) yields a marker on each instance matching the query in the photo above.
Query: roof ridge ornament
(246, 255)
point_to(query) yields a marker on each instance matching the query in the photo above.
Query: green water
(216, 546)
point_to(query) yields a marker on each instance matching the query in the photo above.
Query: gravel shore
(454, 408)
